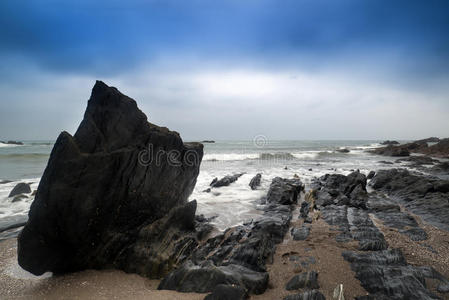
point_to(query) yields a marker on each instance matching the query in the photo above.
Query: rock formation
(113, 195)
(255, 181)
(20, 188)
(239, 255)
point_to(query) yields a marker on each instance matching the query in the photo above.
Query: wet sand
(15, 283)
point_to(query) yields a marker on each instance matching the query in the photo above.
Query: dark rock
(207, 142)
(255, 181)
(418, 160)
(19, 197)
(206, 276)
(415, 234)
(304, 210)
(20, 188)
(385, 162)
(203, 227)
(428, 140)
(240, 251)
(300, 234)
(307, 295)
(370, 175)
(388, 142)
(441, 168)
(355, 224)
(390, 150)
(284, 191)
(343, 150)
(341, 190)
(118, 187)
(227, 292)
(5, 181)
(386, 275)
(441, 149)
(225, 181)
(303, 280)
(207, 190)
(423, 195)
(14, 143)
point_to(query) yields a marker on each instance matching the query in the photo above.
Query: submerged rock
(225, 181)
(20, 188)
(388, 142)
(255, 181)
(113, 195)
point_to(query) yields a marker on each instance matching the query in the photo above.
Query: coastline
(288, 259)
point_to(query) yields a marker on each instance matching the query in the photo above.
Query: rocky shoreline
(115, 196)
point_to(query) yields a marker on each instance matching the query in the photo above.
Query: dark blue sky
(48, 48)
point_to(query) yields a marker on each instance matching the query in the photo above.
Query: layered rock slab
(103, 190)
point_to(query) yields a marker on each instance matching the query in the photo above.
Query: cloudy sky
(231, 69)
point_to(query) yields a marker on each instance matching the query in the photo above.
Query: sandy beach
(319, 252)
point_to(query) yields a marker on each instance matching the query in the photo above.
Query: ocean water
(233, 204)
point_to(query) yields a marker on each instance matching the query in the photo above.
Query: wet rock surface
(227, 292)
(239, 255)
(20, 188)
(307, 295)
(303, 280)
(339, 189)
(109, 195)
(301, 233)
(225, 181)
(383, 272)
(255, 181)
(423, 195)
(284, 191)
(386, 275)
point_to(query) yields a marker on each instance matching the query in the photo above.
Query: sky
(230, 69)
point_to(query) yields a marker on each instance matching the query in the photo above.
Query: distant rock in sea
(114, 195)
(208, 141)
(388, 142)
(11, 143)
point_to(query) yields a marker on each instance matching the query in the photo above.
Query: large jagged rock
(113, 195)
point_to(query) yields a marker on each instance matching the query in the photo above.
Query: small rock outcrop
(390, 150)
(255, 181)
(424, 195)
(113, 195)
(225, 181)
(20, 188)
(388, 142)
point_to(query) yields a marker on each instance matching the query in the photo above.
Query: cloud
(230, 69)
